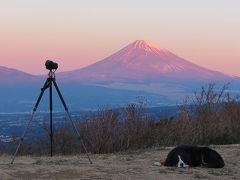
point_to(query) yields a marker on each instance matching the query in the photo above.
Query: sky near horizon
(77, 33)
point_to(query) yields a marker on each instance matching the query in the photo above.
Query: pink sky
(79, 33)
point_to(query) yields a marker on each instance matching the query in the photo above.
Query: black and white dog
(193, 156)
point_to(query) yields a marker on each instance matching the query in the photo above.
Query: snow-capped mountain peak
(142, 61)
(146, 45)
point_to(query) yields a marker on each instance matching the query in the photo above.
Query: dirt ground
(128, 165)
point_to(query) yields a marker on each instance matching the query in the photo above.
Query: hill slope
(14, 76)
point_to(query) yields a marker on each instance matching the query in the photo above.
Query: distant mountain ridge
(142, 61)
(14, 76)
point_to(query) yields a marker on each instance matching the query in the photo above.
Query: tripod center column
(51, 127)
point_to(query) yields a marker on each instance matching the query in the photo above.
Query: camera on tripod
(50, 65)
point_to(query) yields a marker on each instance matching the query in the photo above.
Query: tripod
(48, 84)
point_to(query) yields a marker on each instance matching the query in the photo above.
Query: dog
(193, 156)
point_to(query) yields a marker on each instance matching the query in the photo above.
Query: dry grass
(211, 116)
(128, 165)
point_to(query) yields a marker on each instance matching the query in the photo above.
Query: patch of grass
(234, 163)
(175, 170)
(38, 162)
(183, 171)
(105, 157)
(76, 162)
(161, 148)
(222, 172)
(163, 171)
(132, 152)
(7, 165)
(171, 169)
(180, 170)
(129, 159)
(19, 163)
(237, 154)
(58, 162)
(200, 176)
(215, 173)
(131, 156)
(137, 152)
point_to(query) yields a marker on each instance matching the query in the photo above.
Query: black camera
(50, 65)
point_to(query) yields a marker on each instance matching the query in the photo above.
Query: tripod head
(51, 74)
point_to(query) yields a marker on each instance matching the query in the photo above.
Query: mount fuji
(142, 61)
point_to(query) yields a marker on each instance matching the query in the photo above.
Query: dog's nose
(181, 165)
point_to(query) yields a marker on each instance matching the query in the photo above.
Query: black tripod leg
(27, 126)
(51, 128)
(73, 124)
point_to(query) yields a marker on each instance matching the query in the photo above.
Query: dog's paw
(157, 163)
